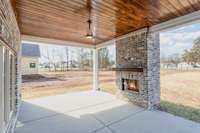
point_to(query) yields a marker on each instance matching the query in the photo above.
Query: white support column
(95, 70)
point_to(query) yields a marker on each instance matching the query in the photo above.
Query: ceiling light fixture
(89, 34)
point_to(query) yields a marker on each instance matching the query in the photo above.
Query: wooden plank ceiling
(67, 19)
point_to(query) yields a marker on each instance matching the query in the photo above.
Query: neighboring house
(166, 64)
(185, 65)
(181, 65)
(30, 59)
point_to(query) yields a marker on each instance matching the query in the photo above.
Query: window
(32, 65)
(9, 79)
(6, 86)
(1, 87)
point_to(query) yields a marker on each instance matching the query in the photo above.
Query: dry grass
(180, 93)
(55, 83)
(181, 88)
(176, 87)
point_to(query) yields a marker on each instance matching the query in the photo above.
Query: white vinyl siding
(26, 63)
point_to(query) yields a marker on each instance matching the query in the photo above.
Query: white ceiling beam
(177, 22)
(34, 39)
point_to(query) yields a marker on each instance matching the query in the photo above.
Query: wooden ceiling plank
(67, 19)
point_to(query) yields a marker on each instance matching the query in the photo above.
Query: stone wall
(9, 30)
(140, 50)
(153, 69)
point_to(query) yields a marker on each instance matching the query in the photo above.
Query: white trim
(32, 39)
(95, 70)
(7, 86)
(110, 42)
(15, 121)
(177, 22)
(1, 88)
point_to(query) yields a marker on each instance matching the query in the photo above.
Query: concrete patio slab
(29, 112)
(61, 124)
(96, 112)
(47, 106)
(109, 112)
(73, 101)
(155, 122)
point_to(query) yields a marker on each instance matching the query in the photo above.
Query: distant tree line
(105, 61)
(191, 57)
(75, 59)
(57, 60)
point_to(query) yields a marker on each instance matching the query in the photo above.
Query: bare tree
(54, 63)
(80, 58)
(61, 60)
(48, 58)
(104, 61)
(67, 57)
(175, 59)
(84, 59)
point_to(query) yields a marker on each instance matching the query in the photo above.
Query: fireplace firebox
(130, 84)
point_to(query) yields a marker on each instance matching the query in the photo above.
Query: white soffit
(177, 22)
(33, 39)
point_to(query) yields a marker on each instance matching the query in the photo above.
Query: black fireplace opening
(130, 84)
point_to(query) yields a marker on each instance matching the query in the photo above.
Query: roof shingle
(31, 50)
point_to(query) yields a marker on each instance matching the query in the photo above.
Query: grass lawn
(181, 110)
(180, 93)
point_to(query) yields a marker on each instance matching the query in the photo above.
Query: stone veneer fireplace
(137, 68)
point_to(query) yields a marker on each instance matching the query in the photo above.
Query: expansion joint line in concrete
(117, 121)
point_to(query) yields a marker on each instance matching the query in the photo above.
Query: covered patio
(95, 112)
(132, 25)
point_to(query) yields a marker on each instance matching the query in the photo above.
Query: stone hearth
(139, 51)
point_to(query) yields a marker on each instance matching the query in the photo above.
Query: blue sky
(177, 40)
